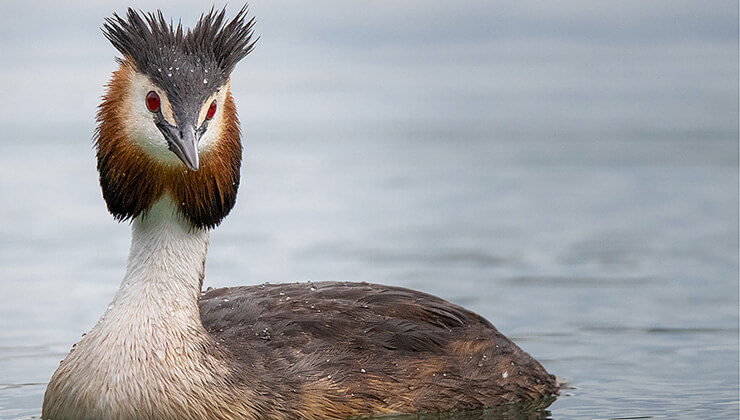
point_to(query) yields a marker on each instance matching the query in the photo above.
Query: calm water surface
(575, 182)
(614, 266)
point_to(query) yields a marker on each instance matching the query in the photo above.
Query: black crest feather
(152, 44)
(189, 65)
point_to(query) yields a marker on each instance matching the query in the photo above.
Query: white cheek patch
(140, 124)
(139, 121)
(210, 137)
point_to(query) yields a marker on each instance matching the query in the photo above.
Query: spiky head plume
(192, 68)
(209, 51)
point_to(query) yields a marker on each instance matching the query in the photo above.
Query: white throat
(150, 342)
(165, 266)
(157, 302)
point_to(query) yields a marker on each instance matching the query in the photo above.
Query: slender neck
(165, 267)
(149, 350)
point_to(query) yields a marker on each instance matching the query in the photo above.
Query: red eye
(152, 101)
(211, 110)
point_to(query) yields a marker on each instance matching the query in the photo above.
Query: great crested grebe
(169, 154)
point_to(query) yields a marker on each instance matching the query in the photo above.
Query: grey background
(567, 169)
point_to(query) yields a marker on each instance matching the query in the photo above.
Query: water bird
(169, 154)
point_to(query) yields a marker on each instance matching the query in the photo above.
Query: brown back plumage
(351, 349)
(313, 351)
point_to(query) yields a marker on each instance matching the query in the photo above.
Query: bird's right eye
(152, 101)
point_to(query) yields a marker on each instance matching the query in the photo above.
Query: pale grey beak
(186, 147)
(183, 142)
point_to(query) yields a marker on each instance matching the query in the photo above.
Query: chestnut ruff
(132, 182)
(164, 350)
(207, 53)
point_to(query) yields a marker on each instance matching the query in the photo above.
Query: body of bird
(169, 154)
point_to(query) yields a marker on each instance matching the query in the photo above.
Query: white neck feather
(165, 268)
(147, 349)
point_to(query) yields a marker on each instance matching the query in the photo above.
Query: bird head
(168, 123)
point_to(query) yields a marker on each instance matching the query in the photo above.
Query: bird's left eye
(152, 102)
(211, 110)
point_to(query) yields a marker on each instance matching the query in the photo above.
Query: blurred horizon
(580, 69)
(568, 170)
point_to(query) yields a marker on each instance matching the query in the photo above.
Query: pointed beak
(185, 146)
(183, 142)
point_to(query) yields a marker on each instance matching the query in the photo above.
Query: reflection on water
(535, 410)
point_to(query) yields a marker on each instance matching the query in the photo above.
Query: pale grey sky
(575, 68)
